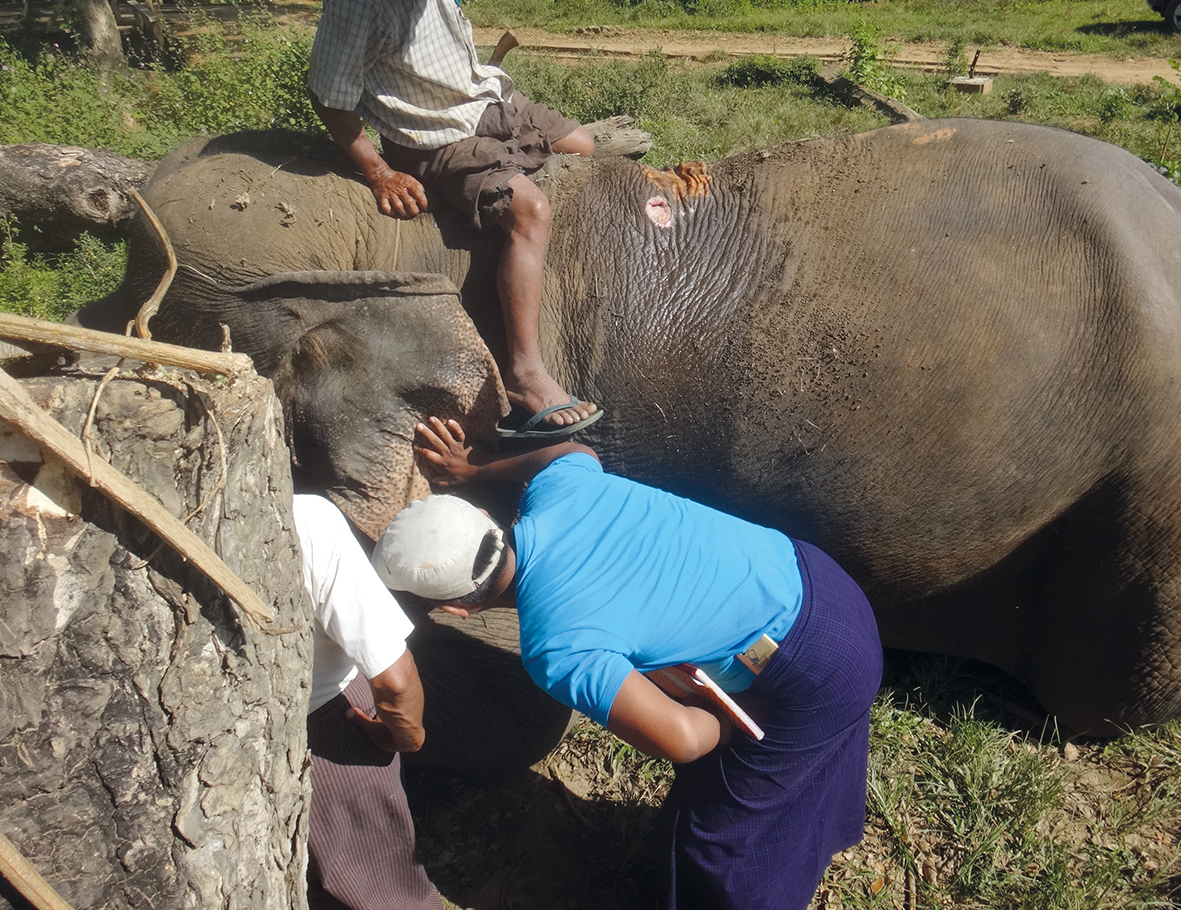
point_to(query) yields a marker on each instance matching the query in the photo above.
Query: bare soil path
(695, 45)
(613, 41)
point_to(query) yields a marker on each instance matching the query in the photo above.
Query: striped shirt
(408, 67)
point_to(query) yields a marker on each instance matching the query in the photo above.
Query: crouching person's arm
(643, 716)
(397, 695)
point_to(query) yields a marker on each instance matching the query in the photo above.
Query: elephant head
(374, 353)
(357, 359)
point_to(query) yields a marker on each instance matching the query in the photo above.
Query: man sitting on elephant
(613, 579)
(410, 70)
(360, 833)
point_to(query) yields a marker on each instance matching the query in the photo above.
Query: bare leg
(518, 282)
(580, 142)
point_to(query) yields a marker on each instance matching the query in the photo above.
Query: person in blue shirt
(612, 579)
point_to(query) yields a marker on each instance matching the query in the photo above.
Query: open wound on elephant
(659, 212)
(688, 179)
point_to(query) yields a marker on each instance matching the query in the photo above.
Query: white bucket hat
(430, 548)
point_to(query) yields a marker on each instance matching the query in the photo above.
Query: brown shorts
(471, 176)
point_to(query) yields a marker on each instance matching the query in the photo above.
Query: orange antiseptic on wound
(688, 179)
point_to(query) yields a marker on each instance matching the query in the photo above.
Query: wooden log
(852, 94)
(58, 191)
(19, 410)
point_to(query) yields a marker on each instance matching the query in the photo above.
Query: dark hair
(484, 557)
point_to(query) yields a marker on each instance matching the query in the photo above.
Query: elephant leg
(1107, 570)
(484, 717)
(1110, 627)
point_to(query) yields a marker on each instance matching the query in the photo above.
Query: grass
(1118, 27)
(52, 287)
(256, 81)
(967, 808)
(707, 112)
(978, 812)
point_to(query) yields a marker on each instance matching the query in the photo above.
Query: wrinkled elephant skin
(947, 352)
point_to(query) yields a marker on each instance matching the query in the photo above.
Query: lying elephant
(948, 352)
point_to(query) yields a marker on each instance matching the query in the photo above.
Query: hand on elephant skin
(397, 193)
(446, 460)
(444, 453)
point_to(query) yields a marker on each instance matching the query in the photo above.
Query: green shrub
(868, 63)
(52, 287)
(763, 69)
(253, 81)
(955, 62)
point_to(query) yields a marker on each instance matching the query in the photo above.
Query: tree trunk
(102, 41)
(152, 740)
(58, 191)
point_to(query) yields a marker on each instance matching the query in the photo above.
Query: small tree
(100, 33)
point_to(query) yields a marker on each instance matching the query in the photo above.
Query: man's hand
(397, 697)
(645, 717)
(449, 461)
(396, 193)
(445, 450)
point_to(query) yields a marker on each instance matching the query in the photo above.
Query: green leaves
(52, 287)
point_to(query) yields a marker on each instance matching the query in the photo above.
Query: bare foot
(537, 392)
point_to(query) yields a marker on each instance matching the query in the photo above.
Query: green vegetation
(52, 287)
(966, 809)
(707, 112)
(254, 77)
(1117, 27)
(254, 80)
(977, 812)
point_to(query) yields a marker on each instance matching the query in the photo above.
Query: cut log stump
(152, 740)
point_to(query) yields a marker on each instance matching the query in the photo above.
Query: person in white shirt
(409, 69)
(365, 691)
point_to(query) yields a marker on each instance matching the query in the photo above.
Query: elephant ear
(382, 352)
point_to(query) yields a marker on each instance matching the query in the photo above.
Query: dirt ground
(574, 832)
(702, 45)
(697, 45)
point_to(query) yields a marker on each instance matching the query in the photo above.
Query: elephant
(947, 352)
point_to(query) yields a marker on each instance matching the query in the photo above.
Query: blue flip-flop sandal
(530, 428)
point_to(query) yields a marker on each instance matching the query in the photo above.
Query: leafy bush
(955, 62)
(867, 61)
(763, 69)
(52, 287)
(56, 98)
(255, 81)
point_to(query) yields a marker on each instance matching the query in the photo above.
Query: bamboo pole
(23, 328)
(19, 409)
